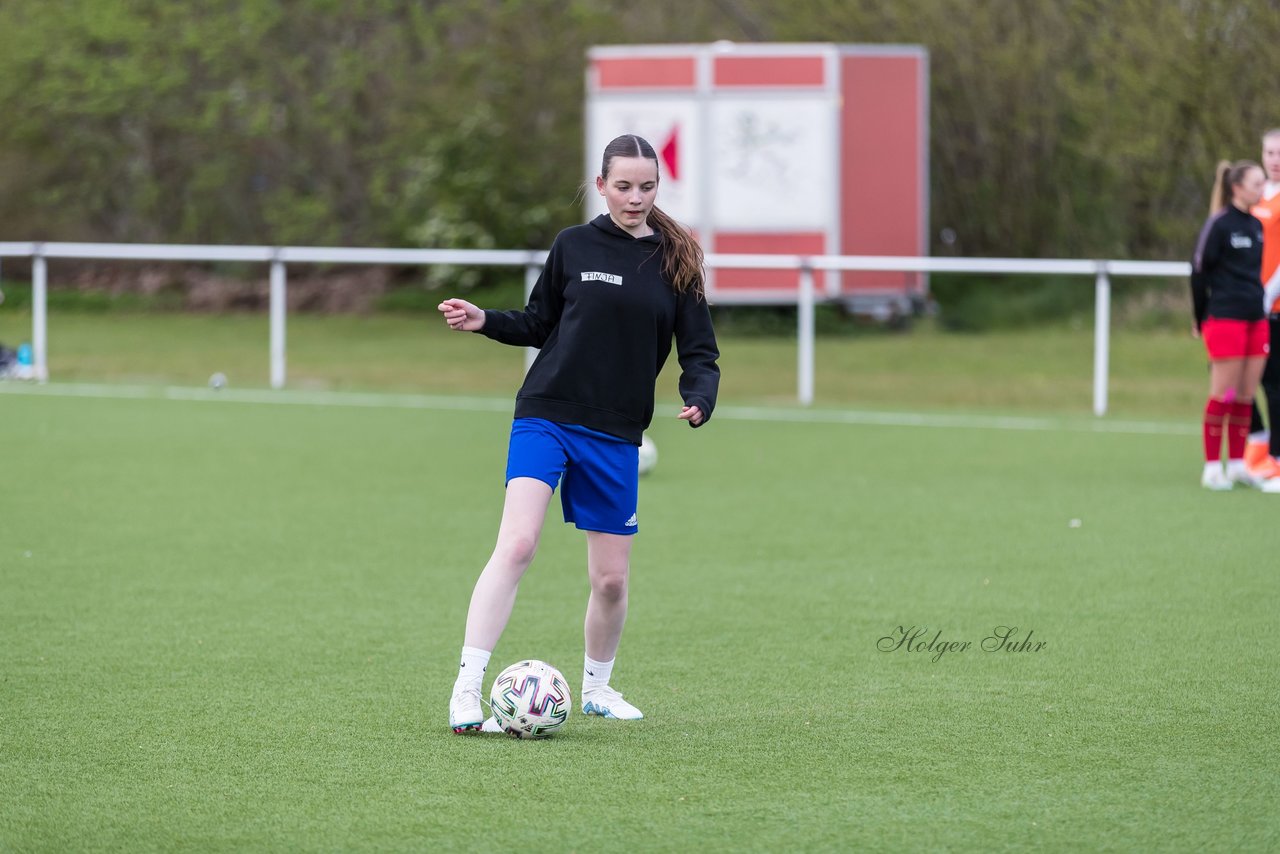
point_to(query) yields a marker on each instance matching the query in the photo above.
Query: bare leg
(495, 591)
(1250, 377)
(608, 567)
(1226, 375)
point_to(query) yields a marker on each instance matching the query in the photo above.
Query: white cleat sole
(601, 711)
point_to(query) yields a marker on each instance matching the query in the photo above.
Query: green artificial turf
(232, 626)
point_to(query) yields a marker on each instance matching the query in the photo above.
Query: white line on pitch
(494, 404)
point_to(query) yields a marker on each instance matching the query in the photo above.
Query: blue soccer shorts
(601, 474)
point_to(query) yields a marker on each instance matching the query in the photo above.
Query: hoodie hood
(606, 224)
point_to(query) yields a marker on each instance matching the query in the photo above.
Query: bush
(973, 303)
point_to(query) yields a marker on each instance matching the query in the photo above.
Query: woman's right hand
(462, 315)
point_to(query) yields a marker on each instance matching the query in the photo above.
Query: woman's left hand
(692, 414)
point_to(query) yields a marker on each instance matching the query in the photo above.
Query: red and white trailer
(797, 149)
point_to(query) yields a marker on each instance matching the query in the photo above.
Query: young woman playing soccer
(612, 295)
(1226, 289)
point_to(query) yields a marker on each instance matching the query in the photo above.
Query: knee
(610, 585)
(517, 551)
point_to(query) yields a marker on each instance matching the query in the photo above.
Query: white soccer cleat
(1244, 478)
(1216, 479)
(491, 725)
(465, 713)
(1271, 485)
(608, 703)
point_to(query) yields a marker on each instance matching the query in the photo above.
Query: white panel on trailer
(771, 169)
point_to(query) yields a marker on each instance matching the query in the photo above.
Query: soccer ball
(648, 454)
(530, 699)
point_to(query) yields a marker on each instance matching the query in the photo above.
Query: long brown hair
(681, 256)
(1227, 176)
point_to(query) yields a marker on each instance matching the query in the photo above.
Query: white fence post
(1101, 339)
(531, 273)
(39, 314)
(805, 323)
(278, 307)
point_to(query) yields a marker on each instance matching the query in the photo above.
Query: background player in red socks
(1264, 447)
(1226, 289)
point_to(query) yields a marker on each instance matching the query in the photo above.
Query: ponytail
(681, 256)
(1220, 195)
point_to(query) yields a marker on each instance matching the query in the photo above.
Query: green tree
(1067, 128)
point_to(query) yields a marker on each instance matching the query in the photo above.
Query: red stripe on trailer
(881, 192)
(645, 73)
(793, 243)
(769, 71)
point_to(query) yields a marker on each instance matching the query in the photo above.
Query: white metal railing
(805, 297)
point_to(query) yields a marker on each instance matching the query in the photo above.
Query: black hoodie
(1226, 270)
(604, 317)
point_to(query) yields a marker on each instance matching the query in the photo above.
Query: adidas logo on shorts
(631, 523)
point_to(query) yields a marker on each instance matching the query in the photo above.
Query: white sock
(1262, 436)
(1235, 468)
(595, 674)
(1213, 467)
(471, 670)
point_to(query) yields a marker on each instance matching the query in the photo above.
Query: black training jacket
(604, 318)
(1226, 270)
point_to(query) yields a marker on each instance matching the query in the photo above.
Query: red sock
(1238, 418)
(1215, 412)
